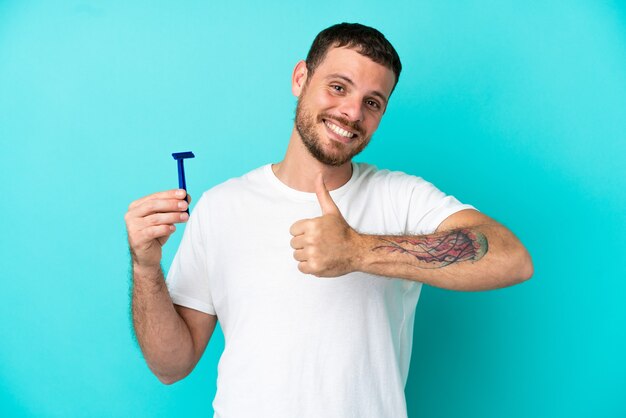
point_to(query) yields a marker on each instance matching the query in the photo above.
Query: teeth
(336, 129)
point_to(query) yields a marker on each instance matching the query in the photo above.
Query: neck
(299, 168)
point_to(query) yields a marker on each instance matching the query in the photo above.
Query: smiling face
(341, 104)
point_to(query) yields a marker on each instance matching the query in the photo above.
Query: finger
(149, 207)
(166, 218)
(144, 235)
(158, 231)
(299, 227)
(297, 242)
(304, 267)
(167, 194)
(323, 197)
(188, 198)
(299, 255)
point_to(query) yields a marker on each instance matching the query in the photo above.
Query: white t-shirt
(297, 345)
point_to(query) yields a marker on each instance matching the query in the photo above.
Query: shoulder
(233, 189)
(236, 185)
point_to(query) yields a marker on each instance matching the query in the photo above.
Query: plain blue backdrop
(518, 108)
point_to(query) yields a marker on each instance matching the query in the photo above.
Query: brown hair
(365, 40)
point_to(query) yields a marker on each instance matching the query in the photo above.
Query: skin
(172, 338)
(482, 253)
(469, 250)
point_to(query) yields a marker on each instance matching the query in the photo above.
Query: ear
(298, 78)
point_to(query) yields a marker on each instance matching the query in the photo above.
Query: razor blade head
(182, 155)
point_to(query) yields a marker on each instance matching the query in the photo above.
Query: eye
(337, 88)
(373, 104)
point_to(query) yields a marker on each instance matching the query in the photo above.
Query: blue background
(516, 107)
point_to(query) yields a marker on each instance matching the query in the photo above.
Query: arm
(172, 338)
(469, 251)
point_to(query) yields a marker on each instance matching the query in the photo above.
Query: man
(313, 265)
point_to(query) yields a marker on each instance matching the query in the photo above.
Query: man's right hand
(172, 338)
(150, 222)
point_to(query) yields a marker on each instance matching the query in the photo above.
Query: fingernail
(182, 204)
(180, 193)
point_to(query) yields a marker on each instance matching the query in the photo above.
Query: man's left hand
(325, 246)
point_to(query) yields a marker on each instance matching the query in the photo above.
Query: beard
(339, 153)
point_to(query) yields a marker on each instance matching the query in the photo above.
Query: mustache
(354, 126)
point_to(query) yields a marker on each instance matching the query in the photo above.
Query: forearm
(162, 334)
(480, 257)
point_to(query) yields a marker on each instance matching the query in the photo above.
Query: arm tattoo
(439, 250)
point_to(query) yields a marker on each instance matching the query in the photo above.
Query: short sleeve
(187, 279)
(428, 206)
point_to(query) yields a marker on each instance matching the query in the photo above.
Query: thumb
(323, 196)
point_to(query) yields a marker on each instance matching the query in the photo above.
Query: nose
(352, 109)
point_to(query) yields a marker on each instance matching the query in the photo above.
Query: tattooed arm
(469, 250)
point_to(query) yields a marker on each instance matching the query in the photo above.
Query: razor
(180, 158)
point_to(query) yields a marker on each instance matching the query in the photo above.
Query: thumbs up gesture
(325, 246)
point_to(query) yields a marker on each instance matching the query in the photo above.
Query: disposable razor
(180, 158)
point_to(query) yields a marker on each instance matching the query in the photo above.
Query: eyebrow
(349, 81)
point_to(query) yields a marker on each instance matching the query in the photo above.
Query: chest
(255, 277)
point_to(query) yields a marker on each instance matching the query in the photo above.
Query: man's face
(341, 104)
